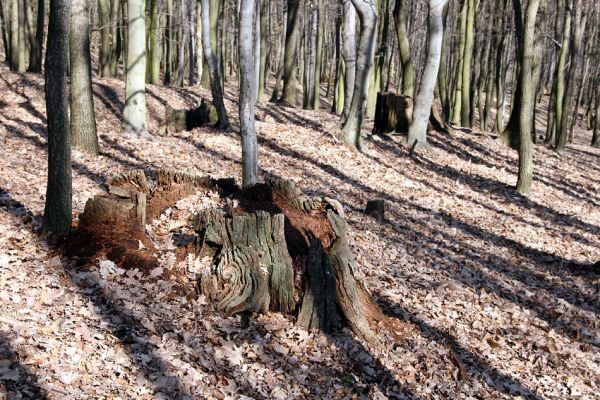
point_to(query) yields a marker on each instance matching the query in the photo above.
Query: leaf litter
(495, 290)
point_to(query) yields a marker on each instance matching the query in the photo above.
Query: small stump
(376, 209)
(186, 120)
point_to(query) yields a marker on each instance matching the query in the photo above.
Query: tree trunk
(393, 113)
(105, 50)
(263, 72)
(213, 67)
(247, 92)
(57, 211)
(116, 45)
(193, 54)
(568, 106)
(5, 36)
(527, 49)
(465, 116)
(134, 112)
(408, 69)
(316, 91)
(368, 21)
(417, 133)
(153, 74)
(348, 55)
(34, 52)
(559, 78)
(290, 81)
(83, 118)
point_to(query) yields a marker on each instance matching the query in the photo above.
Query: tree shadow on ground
(542, 260)
(18, 382)
(137, 340)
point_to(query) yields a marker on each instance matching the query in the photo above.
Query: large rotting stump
(284, 251)
(272, 247)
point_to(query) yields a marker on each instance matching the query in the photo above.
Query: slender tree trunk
(458, 96)
(348, 55)
(5, 36)
(465, 116)
(247, 100)
(183, 43)
(408, 69)
(105, 50)
(116, 45)
(34, 53)
(560, 74)
(193, 54)
(264, 38)
(134, 112)
(368, 22)
(170, 39)
(83, 118)
(22, 63)
(417, 133)
(316, 92)
(527, 39)
(290, 81)
(153, 75)
(213, 67)
(568, 106)
(57, 211)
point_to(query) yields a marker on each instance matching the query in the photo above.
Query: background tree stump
(393, 113)
(186, 120)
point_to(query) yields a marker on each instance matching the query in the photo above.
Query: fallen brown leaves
(494, 286)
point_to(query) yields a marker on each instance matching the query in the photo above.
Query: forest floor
(495, 289)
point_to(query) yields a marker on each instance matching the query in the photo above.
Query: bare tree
(57, 211)
(417, 133)
(134, 112)
(83, 118)
(248, 84)
(368, 20)
(213, 68)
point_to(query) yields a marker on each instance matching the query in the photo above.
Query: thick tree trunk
(368, 21)
(83, 118)
(290, 81)
(417, 133)
(247, 92)
(213, 67)
(134, 112)
(57, 211)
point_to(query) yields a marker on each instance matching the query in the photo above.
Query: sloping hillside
(496, 290)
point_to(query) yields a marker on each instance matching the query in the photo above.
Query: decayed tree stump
(273, 248)
(186, 120)
(300, 240)
(393, 113)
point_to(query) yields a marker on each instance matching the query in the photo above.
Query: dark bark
(57, 211)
